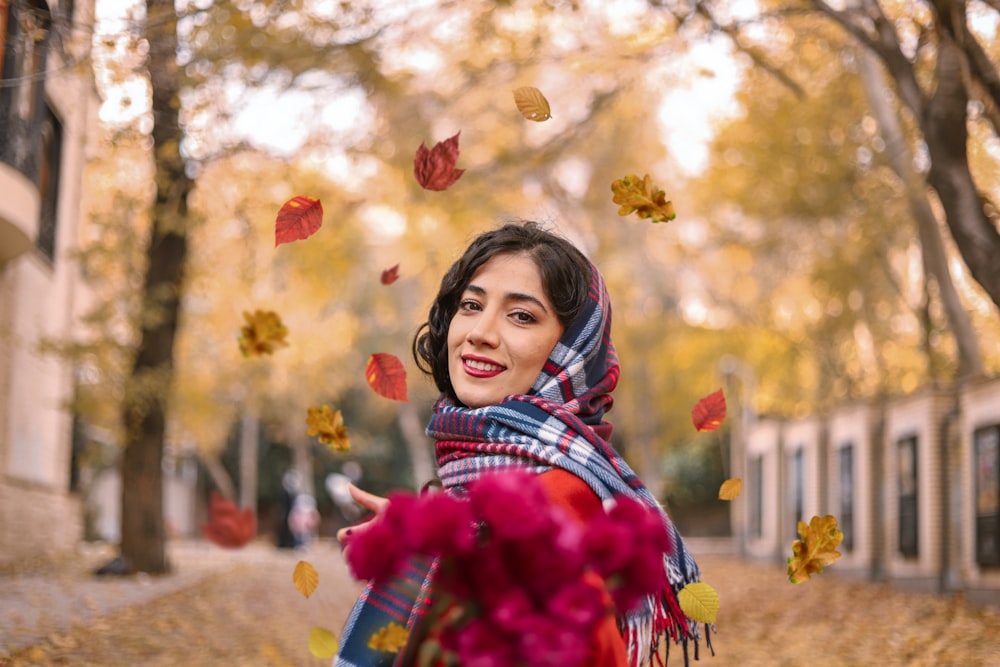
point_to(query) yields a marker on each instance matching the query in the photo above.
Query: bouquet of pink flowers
(516, 580)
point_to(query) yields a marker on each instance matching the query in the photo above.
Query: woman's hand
(369, 501)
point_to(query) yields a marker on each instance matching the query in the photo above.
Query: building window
(756, 494)
(26, 36)
(986, 443)
(847, 495)
(48, 182)
(906, 463)
(796, 502)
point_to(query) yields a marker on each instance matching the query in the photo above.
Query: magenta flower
(547, 642)
(376, 552)
(440, 524)
(579, 604)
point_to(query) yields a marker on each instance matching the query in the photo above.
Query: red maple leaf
(709, 412)
(435, 168)
(386, 375)
(389, 276)
(228, 526)
(299, 218)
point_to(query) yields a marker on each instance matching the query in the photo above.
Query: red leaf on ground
(389, 276)
(709, 412)
(299, 218)
(228, 526)
(435, 169)
(386, 375)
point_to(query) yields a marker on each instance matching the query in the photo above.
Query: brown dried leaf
(532, 104)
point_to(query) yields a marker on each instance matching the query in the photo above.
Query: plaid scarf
(559, 423)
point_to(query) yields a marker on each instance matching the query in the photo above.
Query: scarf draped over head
(559, 423)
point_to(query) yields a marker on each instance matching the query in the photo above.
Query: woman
(518, 341)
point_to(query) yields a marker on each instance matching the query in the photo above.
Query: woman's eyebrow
(510, 296)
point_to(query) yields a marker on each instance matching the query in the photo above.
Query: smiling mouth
(478, 368)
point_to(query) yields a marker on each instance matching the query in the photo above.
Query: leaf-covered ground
(242, 608)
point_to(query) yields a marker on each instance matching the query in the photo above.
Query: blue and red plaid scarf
(559, 423)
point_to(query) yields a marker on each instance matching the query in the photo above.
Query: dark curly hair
(565, 276)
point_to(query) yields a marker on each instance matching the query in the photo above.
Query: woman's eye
(468, 305)
(523, 317)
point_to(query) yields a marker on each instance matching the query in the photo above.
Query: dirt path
(241, 609)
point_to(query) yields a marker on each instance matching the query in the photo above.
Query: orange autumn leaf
(532, 104)
(390, 638)
(305, 577)
(389, 276)
(435, 168)
(815, 548)
(298, 218)
(329, 426)
(262, 334)
(386, 375)
(639, 195)
(709, 412)
(228, 526)
(730, 489)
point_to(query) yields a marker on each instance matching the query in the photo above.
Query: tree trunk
(935, 259)
(944, 129)
(143, 544)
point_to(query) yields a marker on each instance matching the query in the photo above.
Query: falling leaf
(262, 334)
(305, 577)
(298, 219)
(730, 489)
(228, 526)
(389, 276)
(815, 549)
(329, 426)
(386, 376)
(699, 602)
(532, 104)
(640, 195)
(709, 412)
(435, 169)
(391, 638)
(323, 643)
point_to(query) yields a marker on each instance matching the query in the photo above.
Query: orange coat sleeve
(569, 491)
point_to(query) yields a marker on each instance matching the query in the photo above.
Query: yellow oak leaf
(815, 549)
(329, 426)
(305, 577)
(392, 638)
(323, 643)
(532, 104)
(699, 602)
(262, 334)
(730, 489)
(639, 195)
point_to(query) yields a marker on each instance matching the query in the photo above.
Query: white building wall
(980, 407)
(764, 441)
(919, 416)
(38, 512)
(852, 426)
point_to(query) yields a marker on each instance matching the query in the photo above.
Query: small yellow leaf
(305, 578)
(730, 489)
(816, 549)
(699, 602)
(329, 426)
(532, 104)
(262, 334)
(322, 643)
(391, 638)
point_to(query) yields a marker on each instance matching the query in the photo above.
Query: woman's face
(502, 333)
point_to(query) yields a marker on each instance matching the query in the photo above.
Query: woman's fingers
(367, 500)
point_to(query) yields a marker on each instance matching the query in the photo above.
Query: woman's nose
(485, 331)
